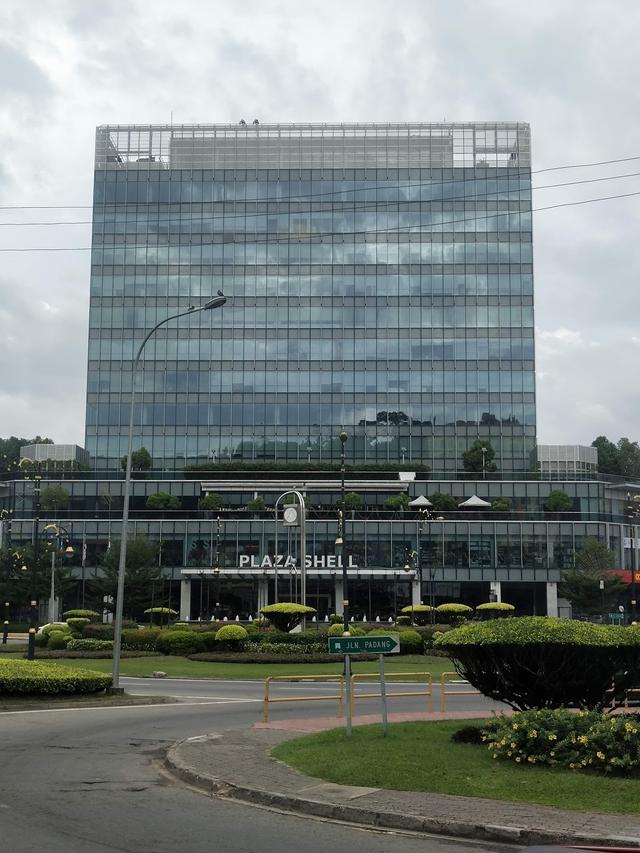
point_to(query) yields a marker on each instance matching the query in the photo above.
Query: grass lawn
(180, 667)
(422, 757)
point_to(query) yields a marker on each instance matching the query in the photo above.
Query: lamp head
(343, 436)
(216, 302)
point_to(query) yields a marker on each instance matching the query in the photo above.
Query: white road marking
(174, 705)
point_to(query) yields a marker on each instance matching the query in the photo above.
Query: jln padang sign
(387, 644)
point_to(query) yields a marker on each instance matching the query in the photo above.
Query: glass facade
(379, 279)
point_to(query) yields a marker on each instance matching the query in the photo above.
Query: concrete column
(495, 588)
(552, 598)
(185, 600)
(415, 591)
(263, 593)
(339, 595)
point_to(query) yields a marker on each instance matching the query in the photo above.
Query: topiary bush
(338, 630)
(403, 620)
(286, 615)
(81, 614)
(58, 640)
(231, 638)
(419, 613)
(55, 626)
(336, 618)
(37, 678)
(560, 738)
(454, 613)
(179, 642)
(542, 662)
(495, 610)
(261, 622)
(90, 645)
(141, 639)
(98, 631)
(411, 642)
(77, 623)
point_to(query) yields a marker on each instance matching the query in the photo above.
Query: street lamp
(301, 520)
(217, 302)
(68, 551)
(483, 450)
(340, 549)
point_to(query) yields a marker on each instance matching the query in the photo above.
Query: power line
(519, 171)
(356, 209)
(297, 238)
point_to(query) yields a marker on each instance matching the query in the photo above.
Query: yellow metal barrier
(361, 676)
(448, 677)
(268, 698)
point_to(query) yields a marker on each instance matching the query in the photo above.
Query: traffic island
(252, 775)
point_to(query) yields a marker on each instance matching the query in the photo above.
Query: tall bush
(542, 662)
(286, 615)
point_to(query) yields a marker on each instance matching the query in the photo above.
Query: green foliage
(558, 501)
(336, 618)
(261, 622)
(37, 678)
(232, 637)
(495, 609)
(472, 458)
(163, 611)
(622, 458)
(257, 504)
(142, 571)
(337, 630)
(179, 643)
(581, 586)
(81, 614)
(58, 640)
(501, 505)
(10, 450)
(55, 626)
(163, 501)
(222, 467)
(454, 612)
(397, 503)
(140, 639)
(559, 738)
(181, 626)
(54, 498)
(442, 502)
(98, 631)
(77, 623)
(411, 642)
(403, 620)
(352, 502)
(211, 502)
(90, 645)
(285, 616)
(418, 613)
(541, 662)
(140, 460)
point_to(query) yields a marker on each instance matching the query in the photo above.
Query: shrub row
(21, 678)
(89, 645)
(248, 657)
(46, 654)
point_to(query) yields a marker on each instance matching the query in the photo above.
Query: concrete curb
(507, 834)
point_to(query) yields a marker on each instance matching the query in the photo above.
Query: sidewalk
(238, 765)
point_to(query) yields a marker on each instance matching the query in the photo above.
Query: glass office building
(379, 279)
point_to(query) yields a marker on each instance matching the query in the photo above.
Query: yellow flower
(518, 759)
(533, 733)
(515, 727)
(600, 755)
(495, 755)
(552, 753)
(553, 737)
(583, 739)
(513, 745)
(531, 759)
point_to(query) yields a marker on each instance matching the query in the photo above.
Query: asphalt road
(84, 780)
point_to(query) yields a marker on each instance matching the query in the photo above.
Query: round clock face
(291, 514)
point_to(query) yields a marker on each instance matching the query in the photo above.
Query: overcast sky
(569, 68)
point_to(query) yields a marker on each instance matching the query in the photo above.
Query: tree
(581, 586)
(211, 502)
(140, 460)
(501, 505)
(629, 456)
(142, 570)
(17, 565)
(608, 457)
(397, 503)
(622, 458)
(474, 460)
(54, 498)
(558, 501)
(10, 450)
(352, 501)
(257, 504)
(442, 502)
(163, 500)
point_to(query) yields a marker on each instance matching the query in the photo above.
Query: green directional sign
(382, 645)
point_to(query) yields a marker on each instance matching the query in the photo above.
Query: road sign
(382, 645)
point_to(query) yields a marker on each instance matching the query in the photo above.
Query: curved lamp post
(217, 302)
(68, 551)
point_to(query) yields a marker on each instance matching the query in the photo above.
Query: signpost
(381, 646)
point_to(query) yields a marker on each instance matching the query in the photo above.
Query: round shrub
(39, 678)
(338, 630)
(419, 613)
(55, 626)
(542, 662)
(261, 622)
(140, 639)
(179, 643)
(57, 640)
(403, 620)
(98, 631)
(40, 641)
(77, 623)
(495, 610)
(286, 615)
(335, 618)
(81, 614)
(231, 637)
(181, 626)
(411, 643)
(454, 613)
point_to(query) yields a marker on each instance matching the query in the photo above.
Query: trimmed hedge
(33, 678)
(141, 639)
(58, 640)
(495, 610)
(45, 654)
(454, 612)
(55, 626)
(232, 637)
(410, 641)
(178, 642)
(543, 662)
(77, 623)
(249, 657)
(287, 615)
(89, 645)
(338, 630)
(81, 614)
(419, 613)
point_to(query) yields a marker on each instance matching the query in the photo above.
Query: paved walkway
(238, 765)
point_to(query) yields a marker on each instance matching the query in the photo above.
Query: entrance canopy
(474, 502)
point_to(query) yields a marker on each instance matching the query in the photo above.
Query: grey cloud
(21, 76)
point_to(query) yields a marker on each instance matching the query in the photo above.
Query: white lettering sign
(282, 561)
